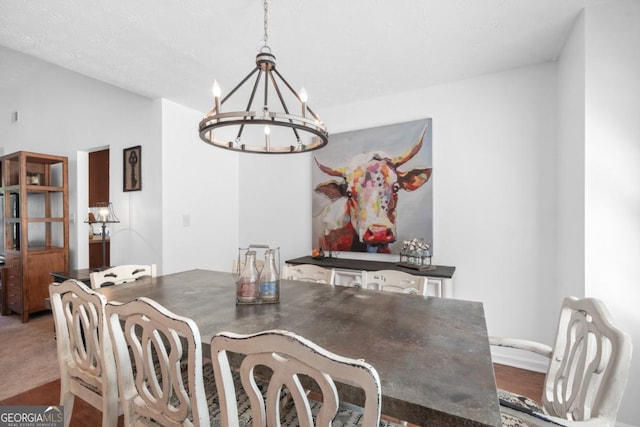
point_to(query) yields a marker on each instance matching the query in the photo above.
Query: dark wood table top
(432, 354)
(440, 271)
(81, 275)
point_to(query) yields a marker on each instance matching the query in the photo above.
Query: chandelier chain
(266, 13)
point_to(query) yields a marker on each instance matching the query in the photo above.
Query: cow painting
(362, 212)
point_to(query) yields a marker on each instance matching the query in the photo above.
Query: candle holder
(102, 213)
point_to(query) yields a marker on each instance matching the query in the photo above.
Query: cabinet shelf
(58, 219)
(43, 189)
(32, 189)
(35, 227)
(36, 249)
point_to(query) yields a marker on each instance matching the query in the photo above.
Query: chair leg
(109, 410)
(66, 400)
(109, 415)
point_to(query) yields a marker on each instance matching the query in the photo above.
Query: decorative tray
(417, 267)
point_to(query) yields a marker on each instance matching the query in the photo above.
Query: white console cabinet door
(348, 277)
(439, 287)
(436, 286)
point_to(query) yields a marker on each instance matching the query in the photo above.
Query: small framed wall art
(132, 167)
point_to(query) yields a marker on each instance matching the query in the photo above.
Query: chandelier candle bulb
(216, 95)
(303, 100)
(267, 131)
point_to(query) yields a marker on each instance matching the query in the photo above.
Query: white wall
(275, 203)
(63, 113)
(612, 172)
(494, 189)
(570, 200)
(200, 196)
(599, 197)
(78, 232)
(137, 239)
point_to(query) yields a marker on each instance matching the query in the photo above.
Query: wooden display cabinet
(35, 218)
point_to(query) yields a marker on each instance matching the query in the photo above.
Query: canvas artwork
(372, 189)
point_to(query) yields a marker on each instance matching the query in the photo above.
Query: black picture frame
(132, 168)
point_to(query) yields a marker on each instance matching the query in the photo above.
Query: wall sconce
(102, 213)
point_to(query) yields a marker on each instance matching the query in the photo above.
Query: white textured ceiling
(340, 50)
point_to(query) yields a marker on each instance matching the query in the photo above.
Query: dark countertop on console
(359, 264)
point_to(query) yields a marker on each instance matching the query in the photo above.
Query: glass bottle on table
(269, 283)
(246, 289)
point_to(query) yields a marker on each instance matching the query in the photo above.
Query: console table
(439, 280)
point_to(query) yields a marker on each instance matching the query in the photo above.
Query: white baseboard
(521, 362)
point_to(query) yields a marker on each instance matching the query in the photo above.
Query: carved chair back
(396, 281)
(291, 359)
(87, 366)
(159, 364)
(309, 273)
(121, 274)
(589, 365)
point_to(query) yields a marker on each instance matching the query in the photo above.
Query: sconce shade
(102, 213)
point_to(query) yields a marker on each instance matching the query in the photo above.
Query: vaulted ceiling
(340, 50)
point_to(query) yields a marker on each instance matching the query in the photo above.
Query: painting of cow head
(361, 210)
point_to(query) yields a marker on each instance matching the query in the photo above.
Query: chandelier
(271, 127)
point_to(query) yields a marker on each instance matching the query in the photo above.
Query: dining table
(432, 354)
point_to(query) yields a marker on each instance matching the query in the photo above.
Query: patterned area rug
(520, 411)
(347, 416)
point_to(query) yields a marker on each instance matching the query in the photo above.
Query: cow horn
(328, 170)
(405, 157)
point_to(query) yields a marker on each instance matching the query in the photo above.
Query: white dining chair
(158, 358)
(396, 281)
(309, 273)
(85, 356)
(290, 358)
(586, 375)
(121, 274)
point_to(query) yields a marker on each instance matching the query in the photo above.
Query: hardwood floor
(84, 415)
(28, 355)
(520, 381)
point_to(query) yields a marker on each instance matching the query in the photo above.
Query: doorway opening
(98, 192)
